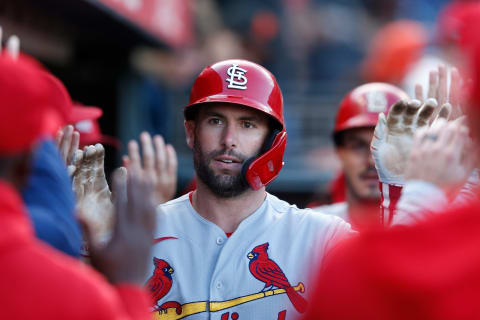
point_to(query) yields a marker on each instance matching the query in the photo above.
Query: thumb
(379, 133)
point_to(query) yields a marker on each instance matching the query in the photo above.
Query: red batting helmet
(248, 84)
(361, 106)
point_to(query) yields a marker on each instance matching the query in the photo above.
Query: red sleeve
(135, 301)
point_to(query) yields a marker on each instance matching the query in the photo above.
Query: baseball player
(428, 271)
(229, 249)
(356, 119)
(38, 281)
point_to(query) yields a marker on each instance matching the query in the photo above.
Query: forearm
(419, 200)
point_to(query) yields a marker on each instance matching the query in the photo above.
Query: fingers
(456, 93)
(134, 156)
(77, 184)
(455, 85)
(148, 153)
(160, 154)
(379, 133)
(99, 156)
(401, 116)
(432, 84)
(419, 92)
(172, 160)
(442, 93)
(444, 112)
(73, 147)
(412, 109)
(59, 137)
(141, 207)
(426, 112)
(394, 115)
(119, 187)
(100, 183)
(65, 141)
(88, 169)
(77, 158)
(125, 161)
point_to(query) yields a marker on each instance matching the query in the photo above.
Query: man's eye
(215, 121)
(247, 124)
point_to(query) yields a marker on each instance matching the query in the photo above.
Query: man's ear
(189, 132)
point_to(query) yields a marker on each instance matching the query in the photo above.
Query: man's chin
(369, 192)
(370, 195)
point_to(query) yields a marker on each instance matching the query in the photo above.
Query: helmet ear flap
(261, 170)
(266, 146)
(269, 140)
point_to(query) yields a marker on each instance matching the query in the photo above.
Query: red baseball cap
(81, 112)
(87, 125)
(27, 112)
(71, 112)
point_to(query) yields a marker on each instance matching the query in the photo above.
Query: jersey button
(218, 285)
(220, 241)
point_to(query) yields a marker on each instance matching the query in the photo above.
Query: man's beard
(373, 196)
(222, 185)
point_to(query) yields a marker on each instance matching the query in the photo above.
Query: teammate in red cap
(356, 119)
(427, 271)
(41, 282)
(235, 251)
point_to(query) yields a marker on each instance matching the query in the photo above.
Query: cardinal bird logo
(266, 270)
(160, 283)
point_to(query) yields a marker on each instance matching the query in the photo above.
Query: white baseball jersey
(339, 209)
(260, 272)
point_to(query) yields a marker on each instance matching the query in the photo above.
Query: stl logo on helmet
(376, 101)
(237, 78)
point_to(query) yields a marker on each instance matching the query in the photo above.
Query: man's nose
(230, 136)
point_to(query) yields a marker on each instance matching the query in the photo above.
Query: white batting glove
(391, 146)
(393, 138)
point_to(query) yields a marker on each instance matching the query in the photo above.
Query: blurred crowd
(390, 98)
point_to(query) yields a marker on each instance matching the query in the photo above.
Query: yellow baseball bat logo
(198, 307)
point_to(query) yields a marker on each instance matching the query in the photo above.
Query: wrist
(390, 194)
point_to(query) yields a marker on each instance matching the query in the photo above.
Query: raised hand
(159, 162)
(439, 90)
(393, 137)
(94, 202)
(68, 141)
(126, 256)
(442, 154)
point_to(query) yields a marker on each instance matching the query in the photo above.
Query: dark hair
(338, 138)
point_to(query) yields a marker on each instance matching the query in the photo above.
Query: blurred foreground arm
(126, 255)
(441, 160)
